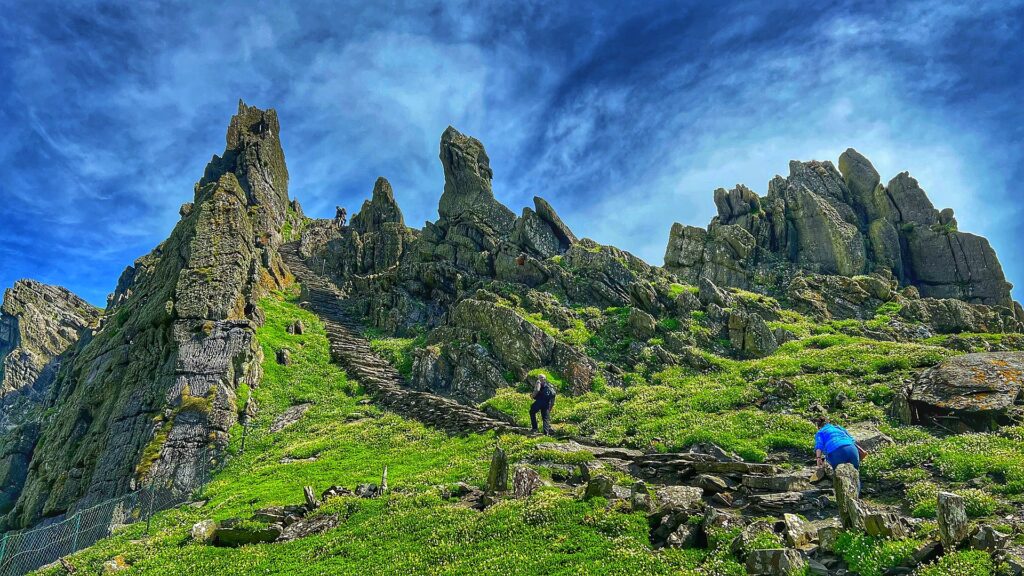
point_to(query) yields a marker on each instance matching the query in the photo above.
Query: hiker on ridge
(834, 444)
(543, 401)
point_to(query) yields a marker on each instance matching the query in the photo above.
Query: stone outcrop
(158, 378)
(38, 323)
(843, 222)
(978, 390)
(439, 280)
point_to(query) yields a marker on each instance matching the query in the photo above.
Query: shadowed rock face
(177, 339)
(821, 220)
(38, 324)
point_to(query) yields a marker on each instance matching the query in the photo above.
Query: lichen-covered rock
(951, 514)
(233, 533)
(467, 187)
(750, 335)
(775, 562)
(798, 531)
(525, 481)
(978, 389)
(38, 323)
(204, 531)
(497, 475)
(847, 488)
(837, 222)
(599, 486)
(177, 340)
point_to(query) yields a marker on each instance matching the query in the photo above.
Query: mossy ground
(413, 530)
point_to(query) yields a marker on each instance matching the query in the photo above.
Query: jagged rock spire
(839, 222)
(467, 183)
(380, 209)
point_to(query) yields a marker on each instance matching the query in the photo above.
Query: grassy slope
(413, 530)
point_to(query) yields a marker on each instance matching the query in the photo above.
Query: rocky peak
(254, 156)
(842, 222)
(467, 183)
(38, 323)
(380, 209)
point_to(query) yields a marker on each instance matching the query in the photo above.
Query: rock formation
(977, 390)
(38, 325)
(824, 221)
(150, 397)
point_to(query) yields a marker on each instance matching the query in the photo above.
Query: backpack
(547, 392)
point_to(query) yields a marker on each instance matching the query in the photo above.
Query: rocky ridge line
(845, 222)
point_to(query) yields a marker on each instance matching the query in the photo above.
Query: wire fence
(27, 550)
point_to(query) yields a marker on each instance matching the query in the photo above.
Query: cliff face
(38, 325)
(152, 395)
(841, 222)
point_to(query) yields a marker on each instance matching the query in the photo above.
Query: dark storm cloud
(624, 117)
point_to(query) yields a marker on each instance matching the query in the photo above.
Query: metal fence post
(149, 516)
(3, 549)
(78, 525)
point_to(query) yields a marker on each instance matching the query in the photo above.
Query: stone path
(383, 383)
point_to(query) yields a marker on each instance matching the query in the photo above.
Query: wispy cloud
(624, 117)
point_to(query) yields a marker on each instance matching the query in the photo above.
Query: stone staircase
(382, 382)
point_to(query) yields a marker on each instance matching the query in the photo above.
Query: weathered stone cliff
(152, 395)
(38, 324)
(845, 222)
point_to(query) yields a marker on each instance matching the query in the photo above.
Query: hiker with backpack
(543, 401)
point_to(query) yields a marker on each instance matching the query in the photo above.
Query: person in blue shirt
(834, 444)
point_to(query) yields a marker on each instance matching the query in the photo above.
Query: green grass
(412, 531)
(398, 351)
(962, 563)
(680, 406)
(869, 556)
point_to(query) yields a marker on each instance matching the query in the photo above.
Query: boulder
(885, 525)
(640, 497)
(234, 533)
(284, 357)
(204, 531)
(750, 335)
(951, 514)
(977, 389)
(684, 536)
(711, 484)
(679, 498)
(641, 324)
(308, 527)
(869, 437)
(799, 532)
(775, 562)
(525, 481)
(599, 486)
(297, 327)
(989, 539)
(847, 488)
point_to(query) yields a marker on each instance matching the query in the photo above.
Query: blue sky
(625, 116)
